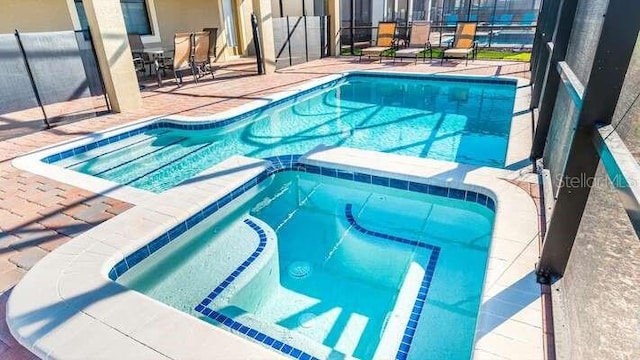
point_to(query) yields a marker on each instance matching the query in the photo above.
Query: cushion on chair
(408, 52)
(373, 51)
(457, 52)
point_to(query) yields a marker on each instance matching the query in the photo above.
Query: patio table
(156, 53)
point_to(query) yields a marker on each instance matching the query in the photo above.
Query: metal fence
(501, 24)
(48, 78)
(299, 39)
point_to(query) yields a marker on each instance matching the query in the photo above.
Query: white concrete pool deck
(67, 307)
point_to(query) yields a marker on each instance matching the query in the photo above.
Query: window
(136, 17)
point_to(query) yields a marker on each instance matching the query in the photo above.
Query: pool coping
(92, 315)
(33, 162)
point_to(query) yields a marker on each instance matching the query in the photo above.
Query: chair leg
(193, 71)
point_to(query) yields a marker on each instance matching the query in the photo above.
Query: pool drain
(307, 320)
(299, 269)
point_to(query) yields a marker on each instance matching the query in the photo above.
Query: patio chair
(464, 44)
(182, 57)
(385, 40)
(140, 59)
(213, 41)
(418, 42)
(201, 53)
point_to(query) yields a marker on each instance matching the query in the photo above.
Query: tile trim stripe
(447, 78)
(292, 163)
(228, 322)
(421, 299)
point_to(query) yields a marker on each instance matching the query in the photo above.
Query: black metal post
(306, 36)
(33, 82)
(352, 24)
(281, 10)
(545, 28)
(547, 82)
(288, 42)
(256, 43)
(95, 58)
(611, 61)
(406, 22)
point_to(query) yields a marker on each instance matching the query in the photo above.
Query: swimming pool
(460, 119)
(323, 267)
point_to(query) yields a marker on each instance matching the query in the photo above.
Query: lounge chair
(464, 44)
(418, 42)
(182, 56)
(385, 40)
(201, 53)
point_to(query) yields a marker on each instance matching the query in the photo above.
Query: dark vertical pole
(469, 10)
(540, 54)
(256, 43)
(33, 82)
(547, 82)
(288, 42)
(306, 36)
(611, 61)
(281, 10)
(406, 22)
(95, 58)
(352, 24)
(442, 26)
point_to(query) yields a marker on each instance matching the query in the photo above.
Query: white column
(114, 55)
(262, 9)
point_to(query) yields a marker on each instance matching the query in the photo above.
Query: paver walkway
(38, 214)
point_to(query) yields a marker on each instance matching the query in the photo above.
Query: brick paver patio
(38, 214)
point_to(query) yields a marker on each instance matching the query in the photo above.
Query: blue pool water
(465, 121)
(339, 273)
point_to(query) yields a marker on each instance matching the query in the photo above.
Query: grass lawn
(483, 54)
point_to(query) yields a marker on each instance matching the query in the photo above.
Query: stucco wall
(34, 15)
(188, 16)
(292, 7)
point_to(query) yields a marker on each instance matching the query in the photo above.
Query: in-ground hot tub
(314, 266)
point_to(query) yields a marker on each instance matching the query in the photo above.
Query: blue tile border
(414, 317)
(292, 163)
(447, 78)
(203, 306)
(418, 305)
(255, 113)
